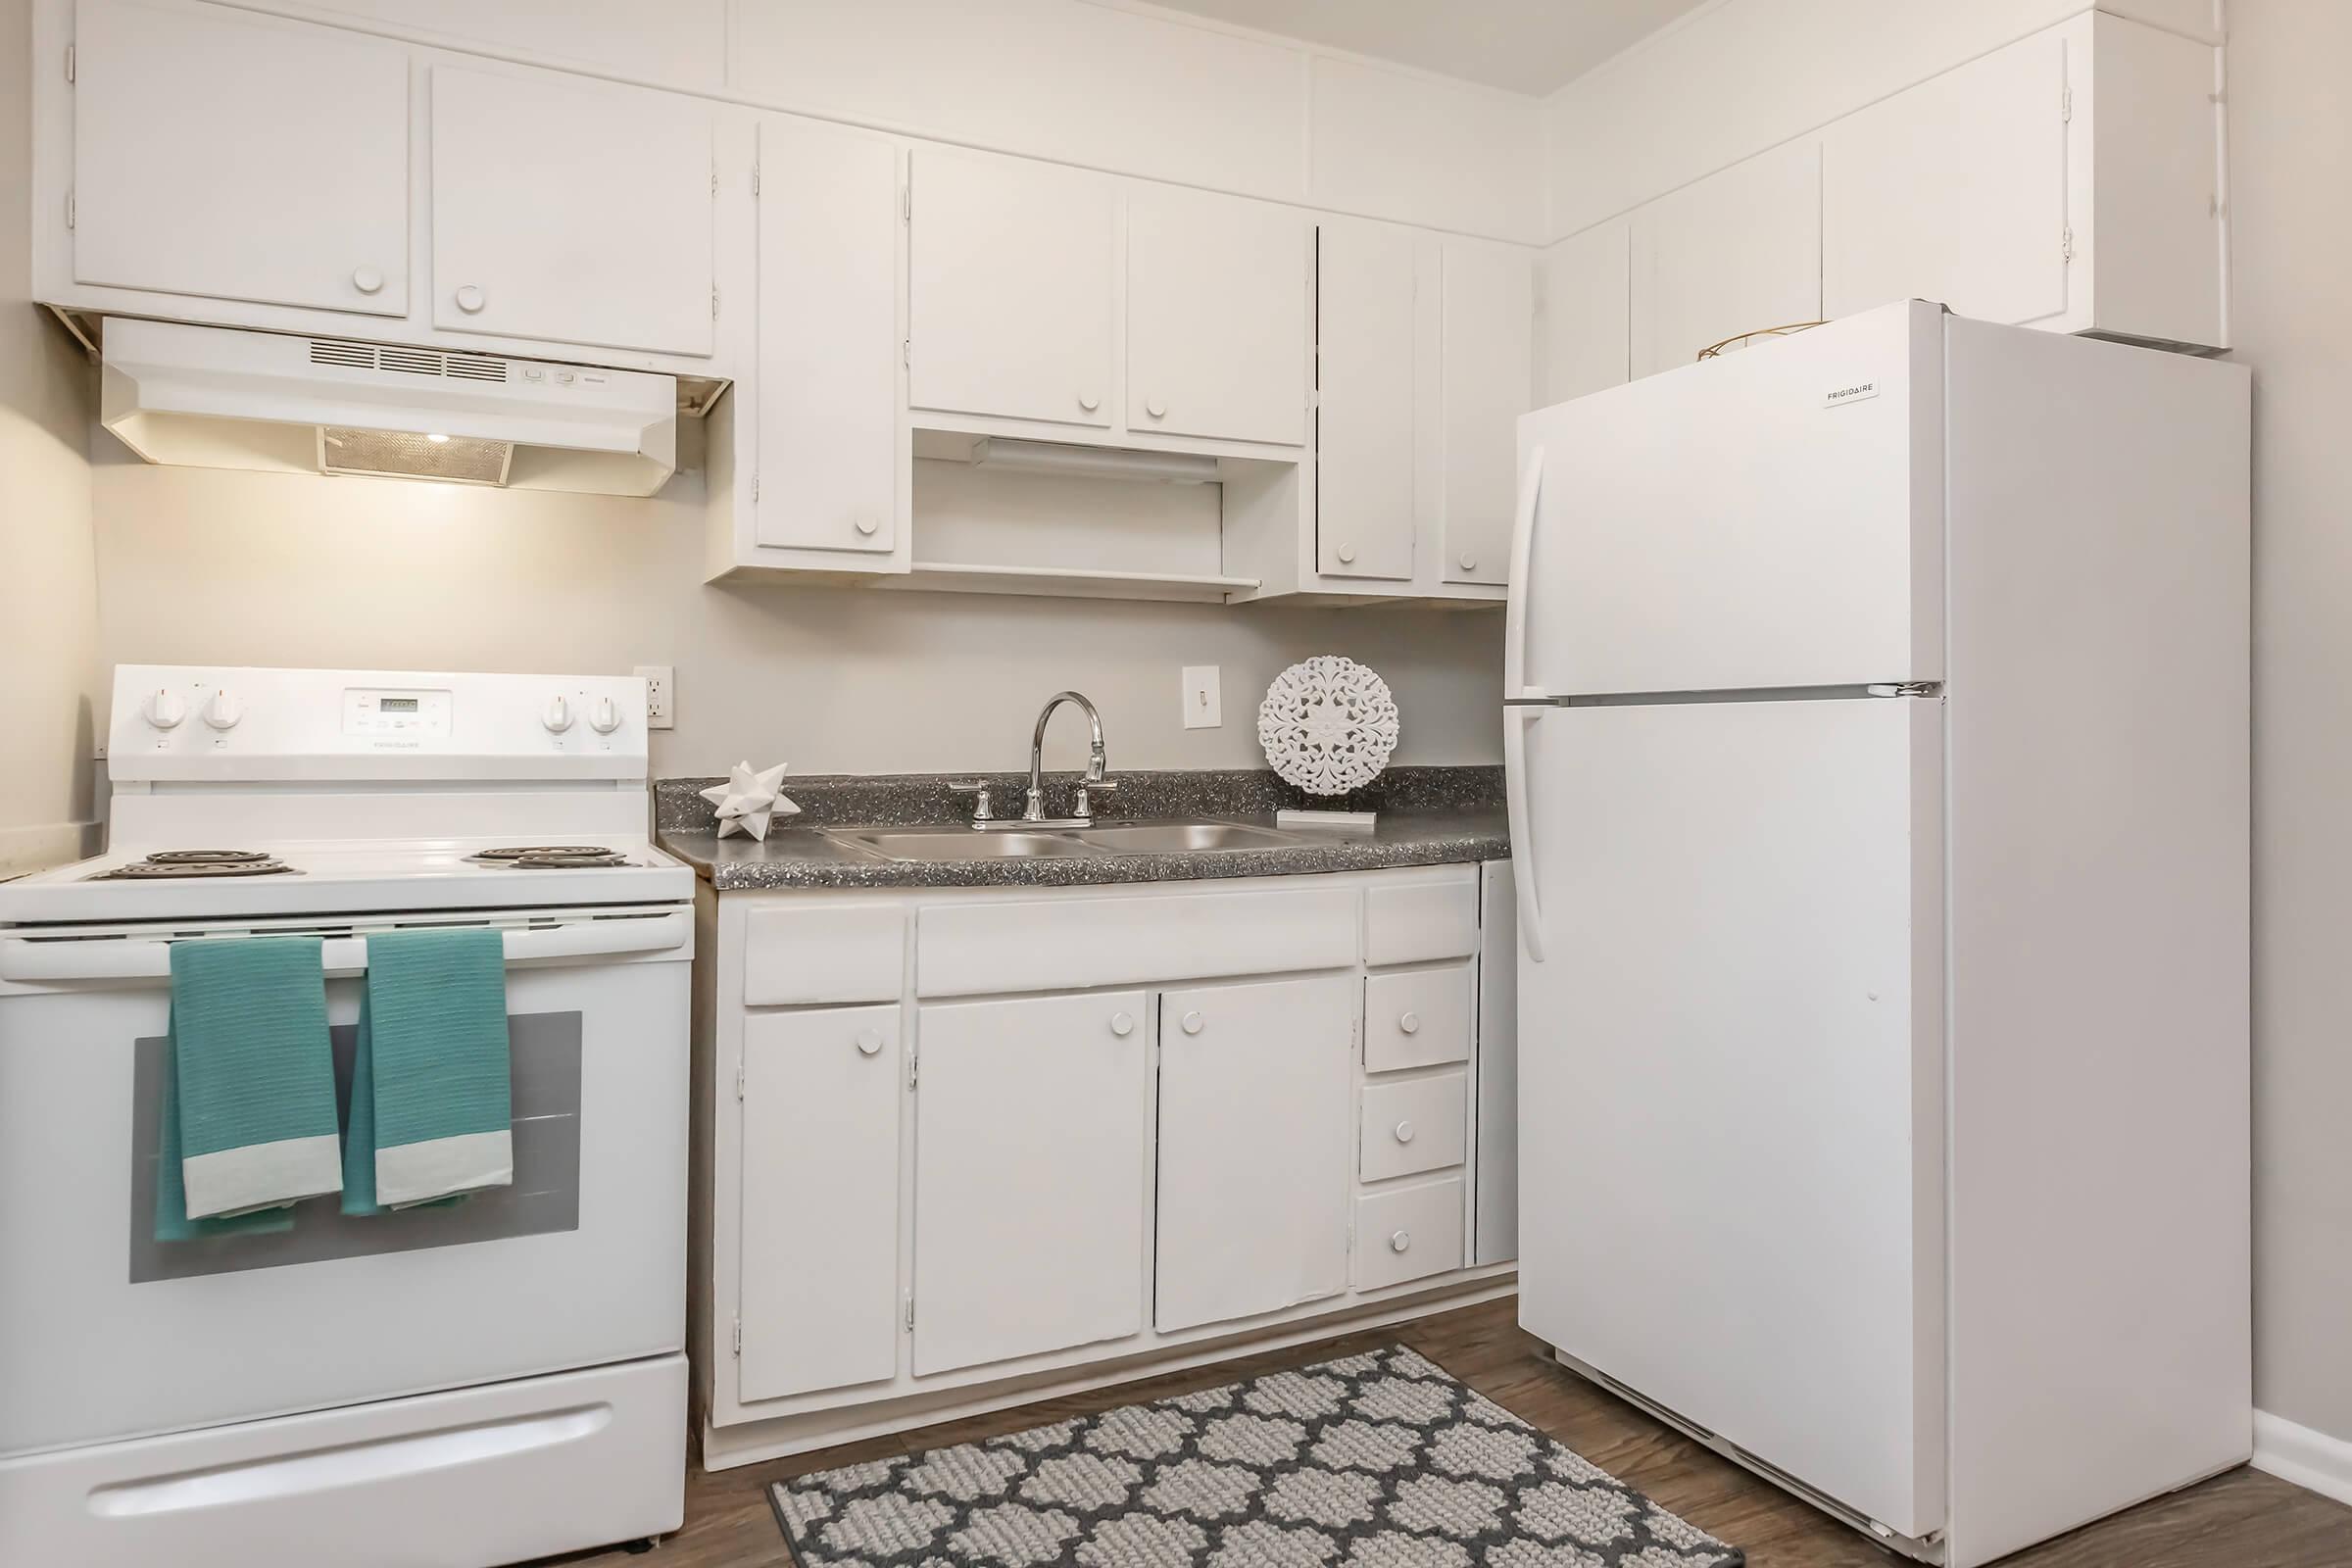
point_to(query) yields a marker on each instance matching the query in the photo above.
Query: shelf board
(1068, 583)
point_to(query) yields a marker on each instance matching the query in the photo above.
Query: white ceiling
(1529, 46)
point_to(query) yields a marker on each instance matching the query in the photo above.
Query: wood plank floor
(2240, 1520)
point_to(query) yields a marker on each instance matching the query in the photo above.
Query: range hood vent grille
(407, 361)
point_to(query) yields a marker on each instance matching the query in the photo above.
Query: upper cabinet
(1737, 252)
(572, 212)
(1584, 314)
(1010, 283)
(1369, 379)
(1488, 307)
(200, 165)
(1217, 315)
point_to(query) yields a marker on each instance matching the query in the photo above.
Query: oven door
(106, 1333)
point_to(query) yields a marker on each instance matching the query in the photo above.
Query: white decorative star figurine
(747, 799)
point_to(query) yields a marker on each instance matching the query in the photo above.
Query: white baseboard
(2312, 1460)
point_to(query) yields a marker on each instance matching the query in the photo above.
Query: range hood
(213, 397)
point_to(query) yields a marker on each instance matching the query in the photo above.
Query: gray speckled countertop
(1428, 816)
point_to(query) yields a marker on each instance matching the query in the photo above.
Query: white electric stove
(452, 1387)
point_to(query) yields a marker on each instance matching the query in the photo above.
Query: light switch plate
(1203, 707)
(661, 694)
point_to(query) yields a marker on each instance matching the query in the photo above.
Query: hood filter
(397, 454)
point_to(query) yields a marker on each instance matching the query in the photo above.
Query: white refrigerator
(1876, 733)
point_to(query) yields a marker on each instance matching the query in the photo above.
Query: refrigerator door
(1771, 518)
(1731, 1075)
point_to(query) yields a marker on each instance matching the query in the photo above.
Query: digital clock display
(396, 705)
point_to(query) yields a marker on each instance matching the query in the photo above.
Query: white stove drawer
(1413, 1125)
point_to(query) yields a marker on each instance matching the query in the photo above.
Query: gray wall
(2291, 148)
(48, 582)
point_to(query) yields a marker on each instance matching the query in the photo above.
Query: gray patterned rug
(1376, 1462)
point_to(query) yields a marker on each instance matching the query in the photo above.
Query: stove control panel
(415, 716)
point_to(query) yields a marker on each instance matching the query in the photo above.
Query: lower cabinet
(819, 1256)
(1032, 1164)
(1254, 1148)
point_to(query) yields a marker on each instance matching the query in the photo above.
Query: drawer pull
(1192, 1023)
(1404, 1132)
(1122, 1024)
(1399, 1241)
(1410, 1023)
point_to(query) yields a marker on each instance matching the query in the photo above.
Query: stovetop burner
(554, 857)
(165, 865)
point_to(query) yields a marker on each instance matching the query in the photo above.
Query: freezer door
(1731, 1076)
(1771, 518)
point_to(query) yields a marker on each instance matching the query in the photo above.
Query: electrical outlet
(661, 694)
(1203, 709)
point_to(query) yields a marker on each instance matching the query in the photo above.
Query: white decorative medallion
(1328, 725)
(747, 799)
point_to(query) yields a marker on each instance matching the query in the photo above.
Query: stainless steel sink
(959, 843)
(1169, 838)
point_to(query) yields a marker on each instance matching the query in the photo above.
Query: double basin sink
(914, 844)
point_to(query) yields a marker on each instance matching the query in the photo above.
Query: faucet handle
(1084, 810)
(977, 789)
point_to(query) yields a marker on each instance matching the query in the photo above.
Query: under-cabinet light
(1101, 463)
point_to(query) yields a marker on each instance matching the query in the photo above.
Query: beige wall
(222, 567)
(2291, 142)
(48, 583)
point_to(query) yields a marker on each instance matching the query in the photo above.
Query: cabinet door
(1737, 252)
(1217, 315)
(571, 210)
(1032, 1158)
(828, 337)
(1586, 313)
(1488, 307)
(224, 156)
(1367, 381)
(1009, 271)
(1954, 191)
(819, 1255)
(1257, 1101)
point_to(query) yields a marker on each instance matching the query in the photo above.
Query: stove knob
(164, 709)
(605, 716)
(557, 717)
(223, 711)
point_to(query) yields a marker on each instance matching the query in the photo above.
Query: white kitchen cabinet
(820, 1098)
(1217, 336)
(1736, 253)
(573, 211)
(828, 338)
(1368, 399)
(1953, 191)
(1487, 312)
(1584, 314)
(220, 154)
(1254, 1148)
(1033, 1155)
(1010, 275)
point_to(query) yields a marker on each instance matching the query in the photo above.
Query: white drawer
(1430, 917)
(1408, 1233)
(823, 951)
(1412, 1126)
(1066, 943)
(1419, 1017)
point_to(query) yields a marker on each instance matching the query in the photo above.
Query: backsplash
(833, 798)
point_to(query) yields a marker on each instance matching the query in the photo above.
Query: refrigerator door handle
(1515, 723)
(1523, 549)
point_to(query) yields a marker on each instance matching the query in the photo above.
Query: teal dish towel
(431, 1113)
(249, 1109)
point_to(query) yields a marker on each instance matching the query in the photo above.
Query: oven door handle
(139, 958)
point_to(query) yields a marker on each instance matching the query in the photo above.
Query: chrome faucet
(1082, 811)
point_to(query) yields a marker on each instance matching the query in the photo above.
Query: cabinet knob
(1192, 1023)
(470, 300)
(1122, 1024)
(1346, 555)
(1089, 401)
(367, 279)
(867, 526)
(1410, 1022)
(1158, 408)
(869, 1042)
(1469, 562)
(1399, 1241)
(1404, 1132)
